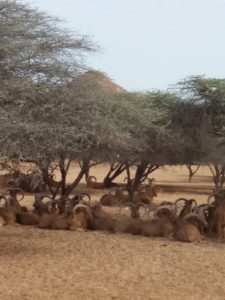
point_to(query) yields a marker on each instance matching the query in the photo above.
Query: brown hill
(99, 80)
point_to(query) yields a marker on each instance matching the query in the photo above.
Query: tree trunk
(114, 171)
(218, 172)
(191, 171)
(143, 169)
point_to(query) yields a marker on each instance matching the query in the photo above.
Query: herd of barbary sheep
(183, 220)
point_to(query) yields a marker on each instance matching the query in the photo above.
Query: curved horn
(14, 191)
(189, 215)
(85, 207)
(45, 196)
(76, 197)
(82, 195)
(210, 197)
(199, 217)
(92, 177)
(168, 207)
(180, 199)
(203, 205)
(194, 201)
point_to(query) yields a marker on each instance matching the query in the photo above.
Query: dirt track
(41, 264)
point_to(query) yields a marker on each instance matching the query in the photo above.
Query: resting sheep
(147, 194)
(7, 212)
(101, 220)
(190, 228)
(11, 207)
(75, 218)
(188, 206)
(28, 218)
(114, 198)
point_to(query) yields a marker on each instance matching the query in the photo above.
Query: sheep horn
(203, 205)
(200, 218)
(45, 196)
(92, 177)
(85, 207)
(189, 215)
(167, 207)
(180, 199)
(82, 195)
(209, 198)
(194, 201)
(9, 191)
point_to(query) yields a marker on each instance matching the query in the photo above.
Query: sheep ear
(45, 199)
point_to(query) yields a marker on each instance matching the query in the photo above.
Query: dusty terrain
(42, 264)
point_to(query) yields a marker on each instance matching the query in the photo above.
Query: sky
(148, 44)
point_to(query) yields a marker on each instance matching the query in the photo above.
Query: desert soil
(42, 264)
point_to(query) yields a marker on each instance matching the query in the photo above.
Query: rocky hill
(97, 79)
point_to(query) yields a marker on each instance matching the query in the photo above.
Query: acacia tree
(36, 54)
(207, 96)
(63, 129)
(33, 45)
(142, 116)
(44, 118)
(37, 57)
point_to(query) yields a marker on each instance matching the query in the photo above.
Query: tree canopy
(52, 111)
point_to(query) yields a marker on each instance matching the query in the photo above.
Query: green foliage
(49, 112)
(203, 116)
(33, 45)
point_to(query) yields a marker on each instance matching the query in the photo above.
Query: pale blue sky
(149, 44)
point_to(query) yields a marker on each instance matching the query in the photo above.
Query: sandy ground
(42, 264)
